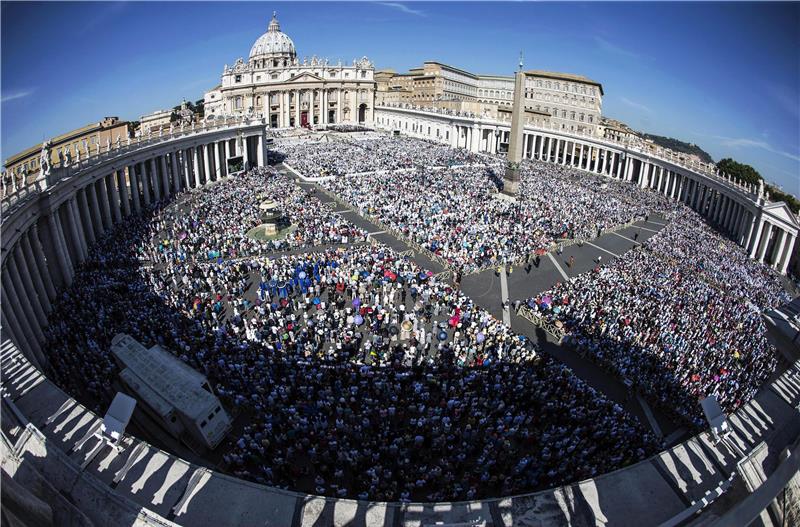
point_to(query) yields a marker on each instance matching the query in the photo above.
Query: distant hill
(679, 146)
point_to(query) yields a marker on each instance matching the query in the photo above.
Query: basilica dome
(273, 43)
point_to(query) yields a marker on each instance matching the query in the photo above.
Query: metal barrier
(538, 321)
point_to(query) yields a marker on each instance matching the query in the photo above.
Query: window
(203, 424)
(274, 76)
(258, 77)
(238, 78)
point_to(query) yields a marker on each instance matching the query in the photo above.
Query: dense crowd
(215, 220)
(353, 372)
(356, 372)
(339, 156)
(678, 318)
(455, 213)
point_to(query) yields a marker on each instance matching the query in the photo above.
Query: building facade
(275, 85)
(68, 147)
(153, 122)
(572, 102)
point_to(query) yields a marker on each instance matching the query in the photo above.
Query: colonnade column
(23, 281)
(94, 209)
(134, 188)
(123, 193)
(104, 205)
(162, 161)
(296, 112)
(145, 177)
(176, 171)
(13, 282)
(85, 215)
(156, 179)
(765, 236)
(34, 270)
(20, 310)
(76, 231)
(41, 260)
(196, 167)
(64, 263)
(111, 182)
(783, 261)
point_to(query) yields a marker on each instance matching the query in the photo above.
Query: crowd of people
(340, 156)
(455, 213)
(217, 220)
(352, 372)
(357, 373)
(677, 319)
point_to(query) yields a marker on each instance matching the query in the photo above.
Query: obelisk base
(511, 182)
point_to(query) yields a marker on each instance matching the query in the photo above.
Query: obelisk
(511, 178)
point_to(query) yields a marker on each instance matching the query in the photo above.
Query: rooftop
(564, 76)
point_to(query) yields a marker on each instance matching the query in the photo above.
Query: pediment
(782, 211)
(305, 77)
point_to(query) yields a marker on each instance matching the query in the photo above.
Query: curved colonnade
(49, 228)
(768, 231)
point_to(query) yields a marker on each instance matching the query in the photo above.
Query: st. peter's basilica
(273, 83)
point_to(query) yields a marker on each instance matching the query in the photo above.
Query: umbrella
(316, 301)
(393, 330)
(301, 275)
(358, 319)
(480, 337)
(442, 335)
(356, 302)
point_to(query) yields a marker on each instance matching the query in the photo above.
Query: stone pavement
(485, 289)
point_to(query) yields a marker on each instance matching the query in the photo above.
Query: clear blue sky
(724, 76)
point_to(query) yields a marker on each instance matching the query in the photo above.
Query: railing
(13, 194)
(539, 321)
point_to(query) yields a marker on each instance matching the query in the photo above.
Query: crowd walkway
(485, 288)
(376, 232)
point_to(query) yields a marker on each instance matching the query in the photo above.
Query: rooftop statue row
(363, 63)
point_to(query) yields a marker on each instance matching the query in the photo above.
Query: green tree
(747, 174)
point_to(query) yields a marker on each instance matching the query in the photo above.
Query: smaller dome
(273, 42)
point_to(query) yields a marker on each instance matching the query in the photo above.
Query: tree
(739, 171)
(747, 174)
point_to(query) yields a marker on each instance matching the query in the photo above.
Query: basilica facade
(288, 92)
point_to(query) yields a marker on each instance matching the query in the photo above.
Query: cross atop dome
(274, 26)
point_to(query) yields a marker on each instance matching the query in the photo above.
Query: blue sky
(725, 76)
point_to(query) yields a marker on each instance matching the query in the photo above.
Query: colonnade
(320, 106)
(766, 230)
(57, 232)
